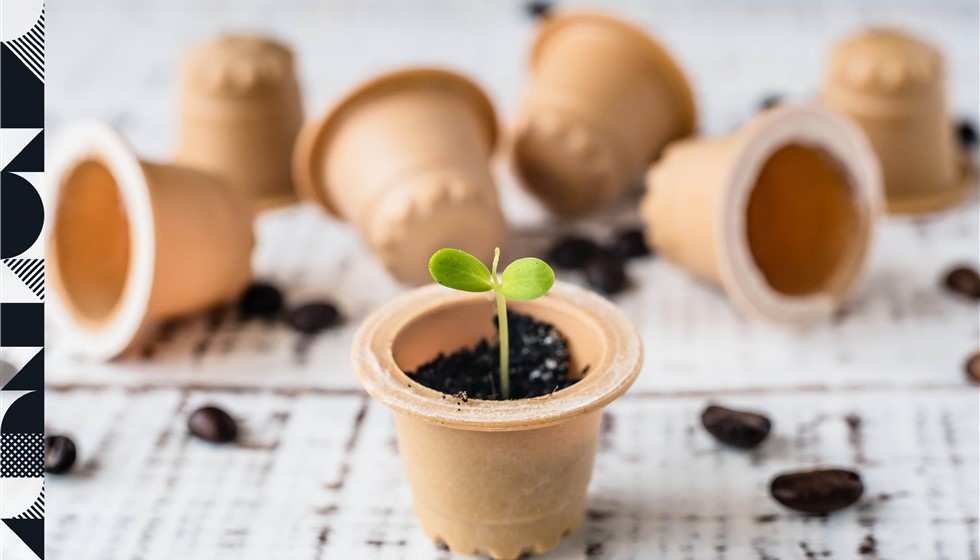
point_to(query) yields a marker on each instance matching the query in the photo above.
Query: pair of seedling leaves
(524, 279)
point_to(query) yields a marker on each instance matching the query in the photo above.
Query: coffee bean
(967, 133)
(964, 280)
(972, 368)
(818, 491)
(571, 252)
(604, 272)
(734, 427)
(313, 317)
(538, 9)
(59, 454)
(770, 101)
(260, 300)
(210, 423)
(630, 243)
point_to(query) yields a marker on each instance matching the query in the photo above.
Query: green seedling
(523, 279)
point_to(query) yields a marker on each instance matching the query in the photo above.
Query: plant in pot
(497, 433)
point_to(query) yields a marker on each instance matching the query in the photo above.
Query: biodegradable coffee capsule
(496, 477)
(780, 214)
(405, 158)
(240, 115)
(603, 101)
(134, 242)
(893, 85)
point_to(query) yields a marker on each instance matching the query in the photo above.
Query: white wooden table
(880, 389)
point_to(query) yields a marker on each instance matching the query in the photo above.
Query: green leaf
(527, 278)
(460, 271)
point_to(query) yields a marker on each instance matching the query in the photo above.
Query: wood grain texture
(318, 476)
(880, 388)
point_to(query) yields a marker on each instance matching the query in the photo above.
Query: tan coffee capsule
(604, 99)
(405, 158)
(893, 85)
(134, 242)
(779, 214)
(240, 115)
(496, 477)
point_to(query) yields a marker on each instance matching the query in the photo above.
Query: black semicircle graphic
(25, 415)
(21, 215)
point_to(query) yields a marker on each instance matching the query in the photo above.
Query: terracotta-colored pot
(604, 99)
(497, 477)
(134, 242)
(893, 85)
(405, 158)
(240, 115)
(779, 214)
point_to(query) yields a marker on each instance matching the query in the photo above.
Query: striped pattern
(31, 272)
(36, 511)
(29, 48)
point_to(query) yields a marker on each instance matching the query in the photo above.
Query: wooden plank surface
(318, 475)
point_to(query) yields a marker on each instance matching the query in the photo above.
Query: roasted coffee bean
(210, 423)
(260, 300)
(734, 427)
(604, 272)
(314, 317)
(818, 491)
(964, 280)
(972, 368)
(572, 252)
(967, 133)
(538, 9)
(770, 101)
(59, 454)
(630, 243)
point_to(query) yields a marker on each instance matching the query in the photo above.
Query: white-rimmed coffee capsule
(604, 99)
(780, 214)
(133, 242)
(405, 158)
(240, 115)
(893, 85)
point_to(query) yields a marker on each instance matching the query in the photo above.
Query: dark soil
(538, 364)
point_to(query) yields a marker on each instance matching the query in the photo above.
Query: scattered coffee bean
(210, 423)
(734, 427)
(604, 272)
(260, 300)
(972, 368)
(770, 101)
(964, 280)
(314, 317)
(630, 243)
(967, 133)
(538, 9)
(819, 491)
(572, 252)
(59, 454)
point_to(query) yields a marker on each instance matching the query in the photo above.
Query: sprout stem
(501, 328)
